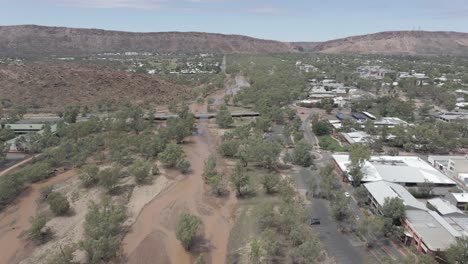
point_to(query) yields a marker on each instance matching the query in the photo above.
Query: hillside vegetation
(48, 86)
(39, 41)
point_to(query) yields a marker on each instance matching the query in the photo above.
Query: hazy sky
(286, 20)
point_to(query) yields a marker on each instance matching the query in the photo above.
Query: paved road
(343, 248)
(11, 160)
(309, 136)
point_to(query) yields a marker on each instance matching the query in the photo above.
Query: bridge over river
(207, 115)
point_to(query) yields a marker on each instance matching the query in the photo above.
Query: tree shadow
(121, 189)
(201, 245)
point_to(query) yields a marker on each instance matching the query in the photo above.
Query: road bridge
(204, 116)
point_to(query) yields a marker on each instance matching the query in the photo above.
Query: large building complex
(431, 232)
(404, 170)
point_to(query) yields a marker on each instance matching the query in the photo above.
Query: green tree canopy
(223, 117)
(458, 252)
(394, 209)
(301, 154)
(187, 229)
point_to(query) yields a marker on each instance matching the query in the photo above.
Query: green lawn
(329, 143)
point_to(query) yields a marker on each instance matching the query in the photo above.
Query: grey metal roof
(381, 190)
(436, 233)
(444, 207)
(25, 126)
(460, 197)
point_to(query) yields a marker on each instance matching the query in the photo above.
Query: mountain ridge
(399, 42)
(35, 40)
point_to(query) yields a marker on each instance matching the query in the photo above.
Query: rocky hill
(33, 40)
(51, 86)
(399, 42)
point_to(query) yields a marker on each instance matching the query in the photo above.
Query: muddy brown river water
(155, 227)
(15, 219)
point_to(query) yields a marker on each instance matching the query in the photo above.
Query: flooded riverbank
(156, 224)
(15, 219)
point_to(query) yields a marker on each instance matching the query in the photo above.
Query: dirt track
(153, 234)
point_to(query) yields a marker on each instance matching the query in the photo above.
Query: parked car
(347, 194)
(314, 221)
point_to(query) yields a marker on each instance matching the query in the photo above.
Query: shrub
(301, 154)
(64, 256)
(58, 203)
(141, 171)
(187, 229)
(109, 178)
(102, 226)
(224, 117)
(171, 155)
(183, 165)
(229, 148)
(155, 171)
(45, 192)
(89, 175)
(10, 186)
(38, 231)
(270, 182)
(321, 128)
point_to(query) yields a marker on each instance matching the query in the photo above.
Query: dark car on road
(314, 221)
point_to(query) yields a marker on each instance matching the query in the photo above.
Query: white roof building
(381, 190)
(444, 207)
(404, 170)
(357, 137)
(335, 123)
(461, 197)
(390, 122)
